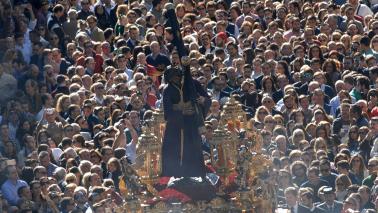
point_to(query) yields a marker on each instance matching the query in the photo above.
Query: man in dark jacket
(330, 205)
(291, 197)
(85, 10)
(314, 182)
(306, 199)
(54, 24)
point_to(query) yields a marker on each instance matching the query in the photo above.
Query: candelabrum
(235, 119)
(253, 138)
(222, 152)
(158, 123)
(233, 115)
(148, 160)
(131, 188)
(138, 180)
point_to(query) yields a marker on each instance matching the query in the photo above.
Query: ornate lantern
(254, 139)
(222, 152)
(158, 122)
(148, 160)
(233, 115)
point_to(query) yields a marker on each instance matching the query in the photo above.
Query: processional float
(231, 155)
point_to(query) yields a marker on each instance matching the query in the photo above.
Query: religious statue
(184, 104)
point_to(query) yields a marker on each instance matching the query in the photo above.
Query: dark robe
(182, 144)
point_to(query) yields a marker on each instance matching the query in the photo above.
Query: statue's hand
(201, 100)
(185, 60)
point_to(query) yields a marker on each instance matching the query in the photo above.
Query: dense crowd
(78, 80)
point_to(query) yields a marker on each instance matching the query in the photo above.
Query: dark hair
(343, 164)
(356, 109)
(265, 79)
(66, 142)
(249, 55)
(108, 32)
(365, 40)
(119, 153)
(19, 190)
(58, 8)
(310, 56)
(364, 81)
(64, 202)
(27, 174)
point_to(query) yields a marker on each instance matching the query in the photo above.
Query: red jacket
(98, 59)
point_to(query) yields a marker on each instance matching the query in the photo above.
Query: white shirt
(129, 74)
(363, 10)
(374, 150)
(26, 50)
(131, 152)
(39, 115)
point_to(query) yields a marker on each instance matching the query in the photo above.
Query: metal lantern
(233, 115)
(158, 122)
(222, 152)
(149, 157)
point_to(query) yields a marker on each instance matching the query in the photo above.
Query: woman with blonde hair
(260, 115)
(180, 12)
(62, 106)
(269, 123)
(297, 137)
(71, 178)
(279, 119)
(320, 144)
(311, 129)
(374, 46)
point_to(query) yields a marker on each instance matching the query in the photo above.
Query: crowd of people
(79, 79)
